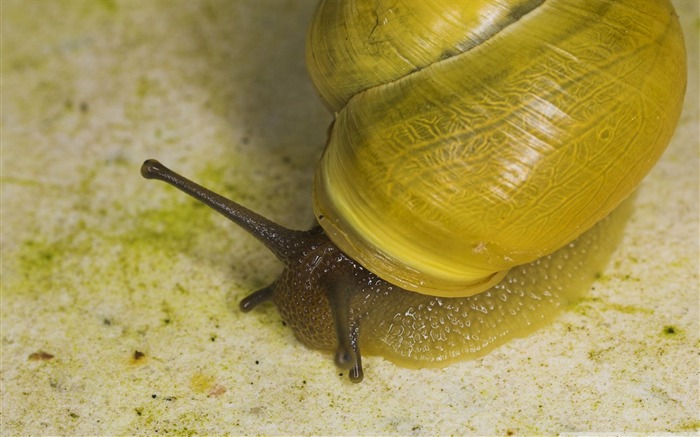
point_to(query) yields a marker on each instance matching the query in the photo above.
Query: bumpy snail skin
(525, 136)
(333, 303)
(417, 330)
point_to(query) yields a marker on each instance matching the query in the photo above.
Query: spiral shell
(472, 137)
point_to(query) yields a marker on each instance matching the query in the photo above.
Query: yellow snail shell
(454, 159)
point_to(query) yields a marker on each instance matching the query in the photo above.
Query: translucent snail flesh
(476, 146)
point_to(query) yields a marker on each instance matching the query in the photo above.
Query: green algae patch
(673, 332)
(172, 228)
(587, 303)
(670, 330)
(110, 293)
(38, 256)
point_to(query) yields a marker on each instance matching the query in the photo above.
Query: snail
(465, 191)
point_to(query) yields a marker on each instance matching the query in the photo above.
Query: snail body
(465, 191)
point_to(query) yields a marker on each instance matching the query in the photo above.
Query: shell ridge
(520, 12)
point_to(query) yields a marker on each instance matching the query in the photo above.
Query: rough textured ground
(119, 294)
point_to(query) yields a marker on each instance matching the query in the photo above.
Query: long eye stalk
(275, 237)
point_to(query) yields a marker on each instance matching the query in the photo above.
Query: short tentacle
(256, 298)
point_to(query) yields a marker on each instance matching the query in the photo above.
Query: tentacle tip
(256, 298)
(246, 305)
(150, 168)
(344, 358)
(356, 374)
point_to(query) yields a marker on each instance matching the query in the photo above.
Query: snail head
(320, 293)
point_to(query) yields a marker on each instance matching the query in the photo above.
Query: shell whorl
(450, 163)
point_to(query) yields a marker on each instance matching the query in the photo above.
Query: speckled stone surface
(119, 295)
